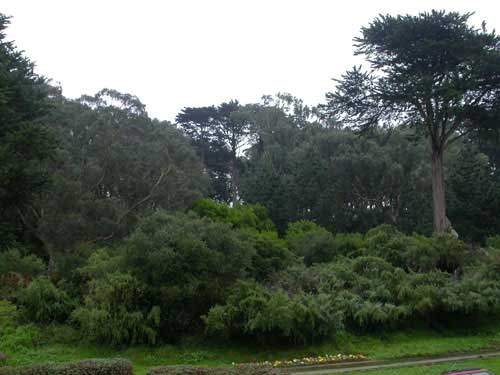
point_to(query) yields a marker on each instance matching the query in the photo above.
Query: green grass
(61, 344)
(492, 364)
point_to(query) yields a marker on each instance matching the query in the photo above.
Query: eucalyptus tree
(114, 164)
(432, 71)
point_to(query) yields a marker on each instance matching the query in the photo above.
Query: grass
(491, 364)
(61, 344)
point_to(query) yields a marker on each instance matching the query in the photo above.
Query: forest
(273, 223)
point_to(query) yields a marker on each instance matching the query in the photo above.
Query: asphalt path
(381, 365)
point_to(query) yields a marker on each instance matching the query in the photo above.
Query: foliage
(115, 312)
(114, 164)
(13, 260)
(8, 314)
(493, 242)
(252, 310)
(340, 180)
(271, 253)
(473, 194)
(433, 72)
(87, 367)
(18, 338)
(43, 302)
(186, 263)
(243, 216)
(25, 144)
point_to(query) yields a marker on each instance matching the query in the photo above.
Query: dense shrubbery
(228, 273)
(88, 367)
(42, 302)
(253, 310)
(116, 312)
(381, 280)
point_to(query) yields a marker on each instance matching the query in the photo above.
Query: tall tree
(218, 133)
(434, 72)
(25, 144)
(233, 128)
(114, 165)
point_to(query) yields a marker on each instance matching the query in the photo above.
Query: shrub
(493, 242)
(253, 310)
(187, 264)
(249, 216)
(87, 367)
(300, 228)
(237, 370)
(450, 251)
(386, 242)
(8, 314)
(116, 312)
(271, 253)
(15, 339)
(41, 301)
(13, 260)
(349, 244)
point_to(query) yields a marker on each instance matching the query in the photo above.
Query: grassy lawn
(61, 344)
(492, 364)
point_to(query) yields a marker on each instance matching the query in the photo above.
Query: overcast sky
(177, 53)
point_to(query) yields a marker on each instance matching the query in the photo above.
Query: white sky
(177, 53)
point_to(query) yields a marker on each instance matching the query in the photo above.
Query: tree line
(266, 220)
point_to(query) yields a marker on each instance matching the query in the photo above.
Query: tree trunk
(235, 185)
(441, 224)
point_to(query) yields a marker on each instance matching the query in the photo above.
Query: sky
(178, 53)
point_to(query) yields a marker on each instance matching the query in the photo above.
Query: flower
(322, 359)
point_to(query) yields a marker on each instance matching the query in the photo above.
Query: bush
(237, 370)
(42, 302)
(8, 314)
(116, 312)
(242, 216)
(87, 367)
(271, 253)
(300, 228)
(451, 252)
(13, 260)
(349, 244)
(16, 270)
(15, 339)
(493, 242)
(187, 264)
(252, 310)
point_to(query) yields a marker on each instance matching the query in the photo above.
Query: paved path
(388, 365)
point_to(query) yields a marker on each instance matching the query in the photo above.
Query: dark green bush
(271, 253)
(87, 367)
(493, 242)
(43, 302)
(13, 260)
(268, 315)
(116, 311)
(315, 247)
(187, 264)
(349, 244)
(237, 370)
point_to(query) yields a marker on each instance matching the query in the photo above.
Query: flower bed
(318, 360)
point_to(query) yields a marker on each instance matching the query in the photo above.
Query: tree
(218, 133)
(201, 126)
(233, 128)
(433, 72)
(114, 164)
(25, 144)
